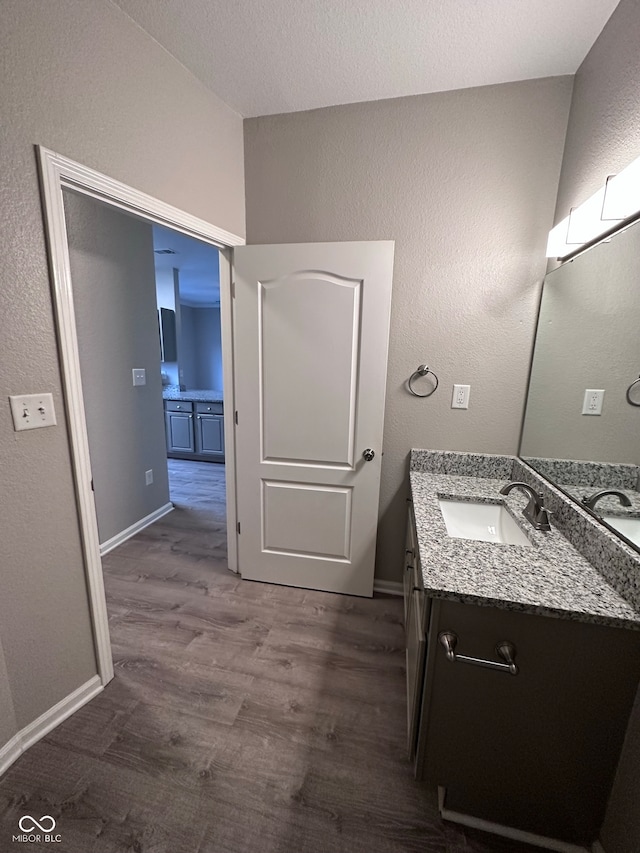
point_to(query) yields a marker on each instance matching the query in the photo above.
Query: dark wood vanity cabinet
(536, 751)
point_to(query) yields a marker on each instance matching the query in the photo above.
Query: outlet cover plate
(460, 397)
(593, 400)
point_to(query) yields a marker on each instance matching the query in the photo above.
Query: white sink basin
(629, 527)
(481, 521)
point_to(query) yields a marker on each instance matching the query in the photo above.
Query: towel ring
(629, 389)
(423, 370)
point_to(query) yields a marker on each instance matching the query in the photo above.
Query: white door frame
(57, 173)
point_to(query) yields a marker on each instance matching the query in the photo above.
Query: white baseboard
(388, 587)
(46, 722)
(505, 831)
(121, 537)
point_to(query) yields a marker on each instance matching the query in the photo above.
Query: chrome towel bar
(504, 650)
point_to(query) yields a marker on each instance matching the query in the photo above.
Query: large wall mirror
(582, 423)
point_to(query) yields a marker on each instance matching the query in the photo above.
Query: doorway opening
(187, 275)
(59, 174)
(149, 341)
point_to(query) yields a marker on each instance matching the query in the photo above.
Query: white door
(310, 340)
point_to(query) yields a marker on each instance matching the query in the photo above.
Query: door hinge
(238, 526)
(92, 489)
(236, 417)
(233, 290)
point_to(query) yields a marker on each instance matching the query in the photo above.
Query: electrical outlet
(31, 411)
(593, 400)
(139, 376)
(148, 476)
(460, 398)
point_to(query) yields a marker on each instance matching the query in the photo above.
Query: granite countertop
(173, 392)
(549, 578)
(608, 505)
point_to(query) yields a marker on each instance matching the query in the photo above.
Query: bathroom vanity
(523, 660)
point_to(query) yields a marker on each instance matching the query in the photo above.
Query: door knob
(368, 454)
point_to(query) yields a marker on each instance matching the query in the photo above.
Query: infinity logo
(28, 823)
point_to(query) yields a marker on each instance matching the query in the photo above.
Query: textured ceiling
(271, 56)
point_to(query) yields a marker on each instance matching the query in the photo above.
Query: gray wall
(603, 137)
(201, 348)
(465, 183)
(187, 354)
(587, 338)
(209, 348)
(114, 293)
(7, 715)
(83, 79)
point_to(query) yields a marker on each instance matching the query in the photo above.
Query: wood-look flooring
(243, 717)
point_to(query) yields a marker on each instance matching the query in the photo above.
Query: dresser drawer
(178, 406)
(209, 408)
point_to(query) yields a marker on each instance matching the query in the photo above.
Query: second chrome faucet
(535, 511)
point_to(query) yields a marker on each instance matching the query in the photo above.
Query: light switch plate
(139, 376)
(32, 411)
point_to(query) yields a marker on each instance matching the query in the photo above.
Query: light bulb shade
(585, 222)
(617, 201)
(622, 193)
(557, 246)
(583, 225)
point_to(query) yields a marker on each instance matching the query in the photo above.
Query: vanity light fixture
(585, 221)
(557, 243)
(615, 202)
(583, 225)
(622, 193)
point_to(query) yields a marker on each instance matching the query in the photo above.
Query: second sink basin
(629, 527)
(485, 522)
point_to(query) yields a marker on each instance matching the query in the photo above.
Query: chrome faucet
(595, 497)
(535, 511)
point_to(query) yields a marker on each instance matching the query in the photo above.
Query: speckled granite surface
(608, 505)
(617, 562)
(548, 578)
(463, 464)
(598, 475)
(173, 392)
